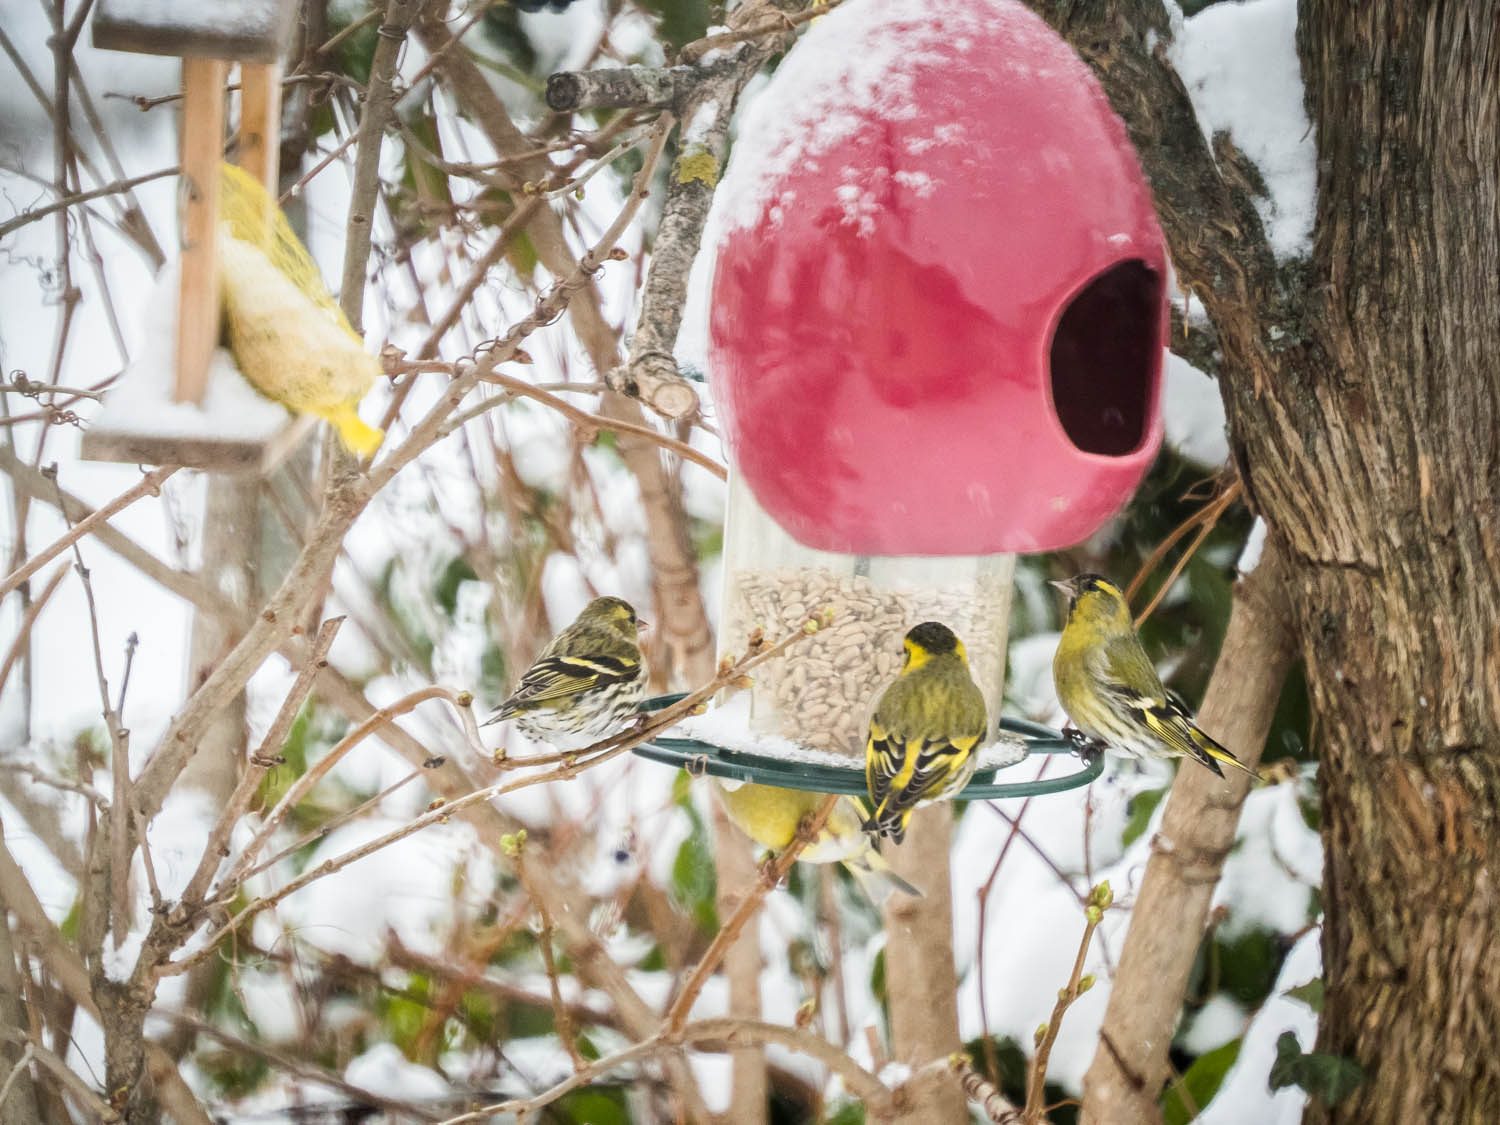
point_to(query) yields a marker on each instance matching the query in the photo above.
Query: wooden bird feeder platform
(175, 405)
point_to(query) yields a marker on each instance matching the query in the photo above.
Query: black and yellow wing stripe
(901, 773)
(554, 679)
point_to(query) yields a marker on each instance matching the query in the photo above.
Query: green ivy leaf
(593, 1106)
(847, 1113)
(1310, 993)
(450, 578)
(679, 21)
(694, 880)
(1187, 1097)
(1142, 806)
(1329, 1078)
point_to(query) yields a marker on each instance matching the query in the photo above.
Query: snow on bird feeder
(936, 334)
(185, 400)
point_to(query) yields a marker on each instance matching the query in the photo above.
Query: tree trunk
(750, 1090)
(1390, 514)
(1364, 407)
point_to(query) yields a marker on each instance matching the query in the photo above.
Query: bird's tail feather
(1210, 753)
(506, 710)
(876, 878)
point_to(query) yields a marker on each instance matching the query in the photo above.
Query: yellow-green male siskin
(587, 684)
(925, 730)
(1109, 688)
(770, 816)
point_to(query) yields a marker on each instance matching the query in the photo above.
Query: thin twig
(519, 388)
(329, 826)
(778, 23)
(28, 388)
(379, 107)
(157, 907)
(859, 1081)
(22, 1064)
(1062, 876)
(991, 1059)
(601, 752)
(577, 182)
(304, 1070)
(563, 1022)
(28, 619)
(71, 1083)
(10, 226)
(150, 485)
(119, 738)
(1100, 899)
(1209, 511)
(1208, 520)
(98, 799)
(770, 877)
(304, 784)
(260, 761)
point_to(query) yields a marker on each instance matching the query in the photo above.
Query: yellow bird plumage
(587, 683)
(289, 339)
(1109, 688)
(770, 816)
(925, 730)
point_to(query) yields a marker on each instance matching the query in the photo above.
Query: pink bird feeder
(938, 316)
(940, 332)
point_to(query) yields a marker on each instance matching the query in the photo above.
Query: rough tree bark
(1364, 407)
(1391, 518)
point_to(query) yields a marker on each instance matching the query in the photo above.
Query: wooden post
(260, 122)
(203, 82)
(921, 977)
(233, 537)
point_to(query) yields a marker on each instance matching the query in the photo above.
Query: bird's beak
(642, 627)
(1066, 586)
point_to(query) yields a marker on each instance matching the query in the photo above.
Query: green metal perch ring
(699, 757)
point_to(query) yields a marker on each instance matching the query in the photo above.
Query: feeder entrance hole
(1103, 355)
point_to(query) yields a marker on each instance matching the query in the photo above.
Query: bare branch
(304, 784)
(74, 1085)
(1100, 900)
(777, 24)
(10, 226)
(770, 877)
(628, 87)
(150, 485)
(595, 755)
(28, 620)
(379, 108)
(33, 485)
(250, 778)
(36, 929)
(860, 1082)
(302, 1069)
